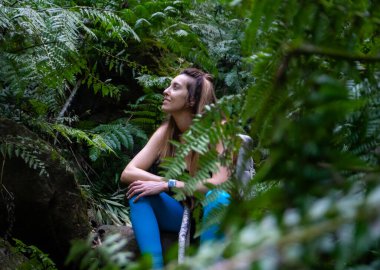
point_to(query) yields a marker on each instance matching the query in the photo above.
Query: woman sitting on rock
(152, 208)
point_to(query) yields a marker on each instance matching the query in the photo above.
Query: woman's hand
(145, 188)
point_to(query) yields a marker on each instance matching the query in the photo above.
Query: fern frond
(150, 81)
(110, 21)
(146, 112)
(202, 137)
(110, 207)
(24, 148)
(92, 140)
(117, 135)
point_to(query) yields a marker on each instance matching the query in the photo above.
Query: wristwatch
(171, 183)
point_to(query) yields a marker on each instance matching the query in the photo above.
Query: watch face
(171, 183)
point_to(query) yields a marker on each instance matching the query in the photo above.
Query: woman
(152, 209)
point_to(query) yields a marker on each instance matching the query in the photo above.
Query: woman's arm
(217, 178)
(143, 183)
(137, 168)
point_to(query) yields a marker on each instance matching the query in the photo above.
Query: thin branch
(1, 181)
(33, 46)
(309, 49)
(117, 58)
(2, 171)
(69, 100)
(81, 167)
(85, 7)
(337, 54)
(358, 169)
(67, 104)
(11, 5)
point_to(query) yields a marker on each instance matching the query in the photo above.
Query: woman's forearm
(200, 187)
(130, 175)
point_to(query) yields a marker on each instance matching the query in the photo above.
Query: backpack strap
(245, 169)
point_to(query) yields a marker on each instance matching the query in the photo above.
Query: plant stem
(67, 104)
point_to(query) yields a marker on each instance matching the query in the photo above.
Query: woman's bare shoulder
(161, 130)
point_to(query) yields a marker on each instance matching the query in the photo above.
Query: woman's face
(175, 96)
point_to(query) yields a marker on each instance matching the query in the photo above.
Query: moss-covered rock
(9, 259)
(41, 202)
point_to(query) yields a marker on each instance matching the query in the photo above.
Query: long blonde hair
(200, 93)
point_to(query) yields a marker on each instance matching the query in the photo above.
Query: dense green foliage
(300, 77)
(313, 112)
(109, 255)
(36, 258)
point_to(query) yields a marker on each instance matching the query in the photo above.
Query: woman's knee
(132, 200)
(141, 200)
(215, 196)
(214, 199)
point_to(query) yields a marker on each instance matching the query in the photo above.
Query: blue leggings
(150, 214)
(219, 199)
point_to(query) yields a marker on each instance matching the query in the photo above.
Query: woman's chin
(164, 109)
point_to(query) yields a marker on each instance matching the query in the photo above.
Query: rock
(126, 232)
(45, 210)
(168, 239)
(9, 259)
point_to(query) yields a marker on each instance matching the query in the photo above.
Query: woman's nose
(166, 91)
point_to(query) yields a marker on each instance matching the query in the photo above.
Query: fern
(301, 110)
(109, 255)
(36, 258)
(106, 89)
(51, 43)
(110, 21)
(146, 112)
(220, 31)
(202, 137)
(150, 81)
(108, 208)
(24, 148)
(44, 26)
(116, 135)
(93, 140)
